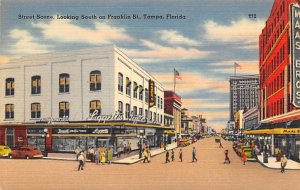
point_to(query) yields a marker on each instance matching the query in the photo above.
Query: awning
(277, 131)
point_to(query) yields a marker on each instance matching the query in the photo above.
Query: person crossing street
(167, 157)
(194, 154)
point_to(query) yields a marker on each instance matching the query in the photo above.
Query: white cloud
(173, 37)
(159, 51)
(25, 43)
(244, 31)
(66, 31)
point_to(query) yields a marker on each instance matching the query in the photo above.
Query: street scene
(209, 172)
(126, 94)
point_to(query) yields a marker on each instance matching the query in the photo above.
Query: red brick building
(173, 107)
(279, 118)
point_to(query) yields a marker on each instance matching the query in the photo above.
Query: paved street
(208, 173)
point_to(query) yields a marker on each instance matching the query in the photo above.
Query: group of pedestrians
(194, 158)
(124, 148)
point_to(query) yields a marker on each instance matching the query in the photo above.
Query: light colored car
(4, 151)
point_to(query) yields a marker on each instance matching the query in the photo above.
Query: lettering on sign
(151, 93)
(50, 120)
(295, 54)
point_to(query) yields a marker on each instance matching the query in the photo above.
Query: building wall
(274, 63)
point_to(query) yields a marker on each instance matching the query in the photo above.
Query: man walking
(167, 157)
(180, 155)
(226, 157)
(92, 152)
(283, 163)
(80, 159)
(172, 155)
(194, 154)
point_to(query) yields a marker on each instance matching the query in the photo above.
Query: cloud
(244, 30)
(4, 59)
(204, 103)
(66, 31)
(247, 67)
(163, 52)
(173, 37)
(25, 43)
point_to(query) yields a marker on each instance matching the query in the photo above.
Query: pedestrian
(77, 152)
(119, 150)
(194, 154)
(244, 157)
(145, 155)
(172, 155)
(97, 154)
(81, 160)
(167, 157)
(88, 156)
(220, 146)
(283, 163)
(92, 152)
(103, 157)
(149, 155)
(180, 155)
(109, 156)
(226, 157)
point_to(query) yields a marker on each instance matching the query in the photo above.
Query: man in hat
(80, 159)
(283, 163)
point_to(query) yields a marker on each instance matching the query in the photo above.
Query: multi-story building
(250, 119)
(172, 106)
(243, 93)
(279, 117)
(89, 97)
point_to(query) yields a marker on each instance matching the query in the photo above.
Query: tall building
(243, 93)
(278, 113)
(89, 97)
(172, 106)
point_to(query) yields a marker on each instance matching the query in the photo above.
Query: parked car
(26, 152)
(4, 151)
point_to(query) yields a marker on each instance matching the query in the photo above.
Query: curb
(261, 163)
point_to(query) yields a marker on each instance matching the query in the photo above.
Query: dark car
(26, 152)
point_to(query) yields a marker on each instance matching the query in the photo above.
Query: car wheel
(27, 157)
(10, 156)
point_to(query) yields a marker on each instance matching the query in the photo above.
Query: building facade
(279, 118)
(243, 93)
(172, 106)
(89, 97)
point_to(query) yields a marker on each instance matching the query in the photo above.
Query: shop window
(120, 107)
(141, 92)
(95, 80)
(120, 82)
(64, 83)
(36, 85)
(128, 86)
(135, 90)
(95, 105)
(10, 87)
(127, 111)
(35, 110)
(9, 111)
(64, 109)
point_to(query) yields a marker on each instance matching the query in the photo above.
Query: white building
(77, 86)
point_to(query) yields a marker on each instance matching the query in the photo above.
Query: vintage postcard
(160, 94)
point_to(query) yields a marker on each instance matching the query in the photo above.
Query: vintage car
(25, 152)
(241, 148)
(184, 142)
(4, 151)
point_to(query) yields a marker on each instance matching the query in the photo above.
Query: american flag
(176, 73)
(236, 65)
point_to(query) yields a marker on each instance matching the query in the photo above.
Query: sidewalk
(291, 165)
(135, 158)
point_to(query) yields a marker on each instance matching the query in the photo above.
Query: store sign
(117, 116)
(151, 93)
(51, 120)
(291, 131)
(64, 131)
(295, 54)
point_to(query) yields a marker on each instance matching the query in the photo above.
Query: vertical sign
(295, 54)
(151, 93)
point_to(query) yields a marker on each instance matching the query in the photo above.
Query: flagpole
(174, 79)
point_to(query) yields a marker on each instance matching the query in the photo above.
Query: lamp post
(141, 138)
(45, 135)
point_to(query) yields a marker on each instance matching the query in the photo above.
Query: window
(64, 83)
(146, 95)
(95, 80)
(35, 110)
(146, 114)
(128, 86)
(95, 107)
(141, 92)
(134, 110)
(9, 111)
(120, 107)
(141, 111)
(127, 114)
(10, 87)
(64, 109)
(158, 102)
(120, 82)
(154, 117)
(150, 116)
(36, 85)
(161, 103)
(135, 89)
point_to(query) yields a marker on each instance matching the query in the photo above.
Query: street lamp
(45, 135)
(141, 138)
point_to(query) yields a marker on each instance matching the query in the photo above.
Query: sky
(202, 47)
